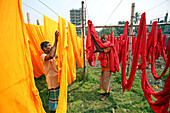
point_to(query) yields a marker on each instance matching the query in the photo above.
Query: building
(76, 18)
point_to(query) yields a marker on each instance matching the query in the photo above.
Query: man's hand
(56, 55)
(56, 36)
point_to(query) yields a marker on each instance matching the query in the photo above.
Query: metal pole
(130, 38)
(28, 18)
(83, 28)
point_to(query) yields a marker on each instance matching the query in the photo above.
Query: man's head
(46, 47)
(104, 38)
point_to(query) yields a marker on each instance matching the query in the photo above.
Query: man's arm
(98, 49)
(53, 50)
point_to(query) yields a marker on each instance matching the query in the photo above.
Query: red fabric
(164, 43)
(133, 44)
(125, 33)
(149, 47)
(120, 49)
(128, 44)
(90, 47)
(103, 59)
(156, 49)
(127, 84)
(161, 44)
(111, 38)
(163, 97)
(168, 45)
(114, 61)
(154, 44)
(108, 38)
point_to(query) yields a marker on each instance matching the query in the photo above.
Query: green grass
(83, 96)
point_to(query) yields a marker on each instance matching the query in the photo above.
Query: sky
(98, 11)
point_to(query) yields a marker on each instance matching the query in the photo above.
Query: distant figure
(106, 73)
(51, 72)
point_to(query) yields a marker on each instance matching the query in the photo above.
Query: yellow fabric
(36, 36)
(71, 73)
(50, 27)
(77, 45)
(62, 66)
(70, 51)
(18, 93)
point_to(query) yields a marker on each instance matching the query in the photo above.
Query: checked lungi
(53, 98)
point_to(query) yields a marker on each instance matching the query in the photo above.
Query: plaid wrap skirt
(53, 98)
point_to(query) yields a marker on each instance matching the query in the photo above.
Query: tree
(107, 31)
(137, 17)
(120, 29)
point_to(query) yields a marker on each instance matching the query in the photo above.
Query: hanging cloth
(36, 36)
(18, 92)
(91, 57)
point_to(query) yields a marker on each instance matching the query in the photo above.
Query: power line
(49, 8)
(87, 9)
(113, 11)
(157, 5)
(32, 8)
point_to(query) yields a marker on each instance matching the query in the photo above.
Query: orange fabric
(50, 26)
(36, 36)
(80, 50)
(77, 45)
(69, 51)
(62, 66)
(71, 60)
(18, 92)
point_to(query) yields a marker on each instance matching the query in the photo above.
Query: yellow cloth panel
(50, 27)
(70, 50)
(62, 66)
(77, 53)
(36, 36)
(80, 49)
(71, 73)
(18, 93)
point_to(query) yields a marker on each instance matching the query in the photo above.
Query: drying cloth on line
(91, 57)
(18, 92)
(35, 34)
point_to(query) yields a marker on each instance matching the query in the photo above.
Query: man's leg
(52, 111)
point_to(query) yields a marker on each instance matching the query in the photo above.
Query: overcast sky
(97, 10)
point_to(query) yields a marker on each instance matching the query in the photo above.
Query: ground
(83, 96)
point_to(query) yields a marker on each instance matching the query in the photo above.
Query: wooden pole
(130, 38)
(83, 31)
(28, 18)
(38, 23)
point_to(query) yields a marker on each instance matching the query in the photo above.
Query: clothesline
(159, 24)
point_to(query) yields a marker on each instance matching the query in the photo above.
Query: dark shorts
(53, 98)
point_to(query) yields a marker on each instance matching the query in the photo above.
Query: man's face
(48, 48)
(103, 39)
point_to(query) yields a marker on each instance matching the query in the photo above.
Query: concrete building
(76, 18)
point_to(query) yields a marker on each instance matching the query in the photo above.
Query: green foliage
(107, 31)
(83, 96)
(159, 72)
(137, 17)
